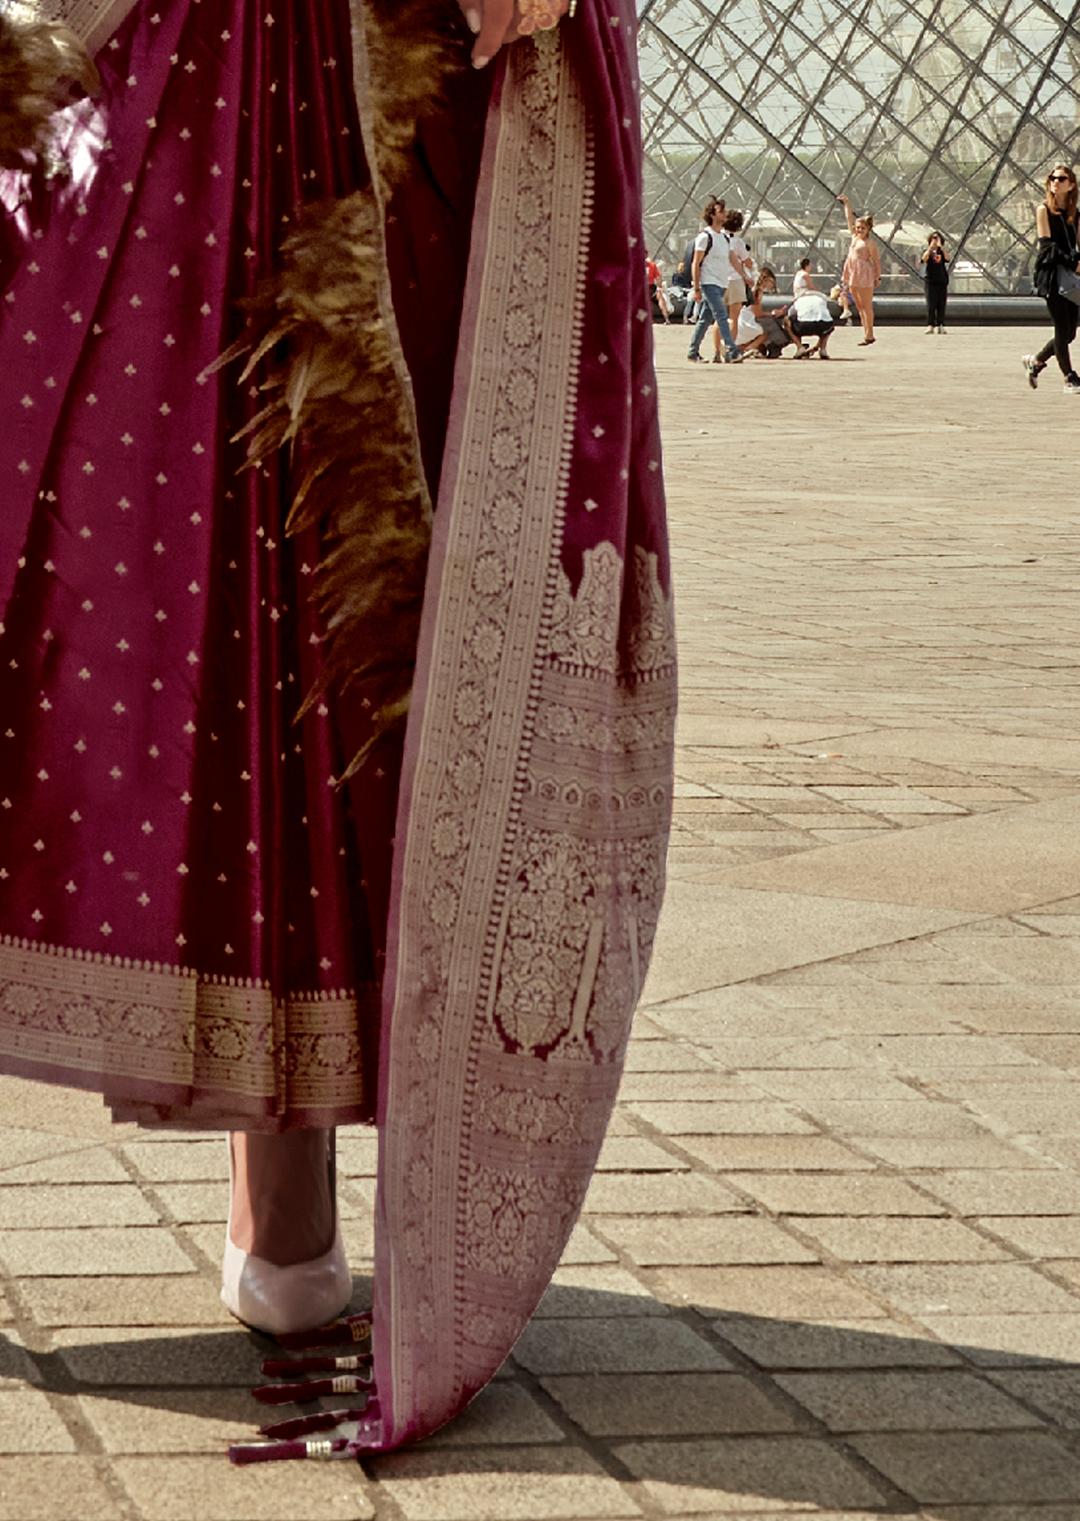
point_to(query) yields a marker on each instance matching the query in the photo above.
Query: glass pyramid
(939, 115)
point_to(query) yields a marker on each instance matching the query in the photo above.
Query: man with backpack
(710, 272)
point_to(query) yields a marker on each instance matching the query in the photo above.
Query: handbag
(1068, 284)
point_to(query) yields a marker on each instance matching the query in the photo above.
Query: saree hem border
(93, 1021)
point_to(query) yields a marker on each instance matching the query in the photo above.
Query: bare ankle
(282, 1208)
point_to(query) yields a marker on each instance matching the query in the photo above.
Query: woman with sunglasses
(1055, 221)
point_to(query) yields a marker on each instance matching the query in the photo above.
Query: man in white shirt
(809, 316)
(711, 270)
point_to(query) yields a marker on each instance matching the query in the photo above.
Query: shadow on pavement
(708, 1414)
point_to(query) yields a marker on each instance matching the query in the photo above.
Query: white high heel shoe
(282, 1299)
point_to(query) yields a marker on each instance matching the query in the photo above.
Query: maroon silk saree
(192, 910)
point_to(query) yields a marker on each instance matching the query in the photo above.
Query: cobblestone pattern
(830, 1263)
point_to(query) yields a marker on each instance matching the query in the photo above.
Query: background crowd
(717, 285)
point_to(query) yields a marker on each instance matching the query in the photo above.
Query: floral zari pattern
(537, 784)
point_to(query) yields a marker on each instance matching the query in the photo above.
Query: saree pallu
(536, 781)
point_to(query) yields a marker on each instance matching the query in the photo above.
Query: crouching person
(810, 318)
(761, 332)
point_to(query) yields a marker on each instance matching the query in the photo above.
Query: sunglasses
(1054, 178)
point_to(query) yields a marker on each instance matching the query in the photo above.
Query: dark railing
(962, 311)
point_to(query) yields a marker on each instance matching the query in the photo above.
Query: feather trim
(39, 64)
(338, 395)
(412, 44)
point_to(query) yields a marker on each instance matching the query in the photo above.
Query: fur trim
(39, 64)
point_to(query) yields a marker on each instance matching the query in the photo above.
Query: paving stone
(1024, 1512)
(977, 1288)
(1003, 1193)
(785, 1473)
(988, 1085)
(834, 1194)
(58, 1114)
(949, 1400)
(172, 1161)
(1035, 1116)
(167, 1420)
(1036, 960)
(500, 1484)
(770, 1153)
(925, 1121)
(357, 1152)
(992, 863)
(584, 1247)
(63, 1488)
(503, 1412)
(770, 1509)
(803, 1049)
(17, 1367)
(973, 1466)
(686, 1087)
(615, 1346)
(190, 1300)
(1001, 1341)
(1060, 1051)
(1052, 924)
(666, 1404)
(722, 1119)
(841, 1344)
(797, 1293)
(659, 1194)
(29, 1423)
(662, 1056)
(901, 1240)
(1054, 1391)
(947, 1155)
(82, 1164)
(933, 1053)
(666, 1239)
(1038, 1236)
(179, 1488)
(1062, 1149)
(162, 1355)
(96, 1249)
(39, 1207)
(23, 1147)
(838, 1083)
(1010, 1010)
(597, 1290)
(635, 1154)
(1064, 1269)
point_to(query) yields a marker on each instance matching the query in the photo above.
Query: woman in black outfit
(937, 282)
(1055, 220)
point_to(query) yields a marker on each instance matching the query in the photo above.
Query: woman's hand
(495, 22)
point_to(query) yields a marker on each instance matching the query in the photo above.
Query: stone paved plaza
(830, 1263)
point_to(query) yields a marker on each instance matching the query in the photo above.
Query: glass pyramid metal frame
(930, 114)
